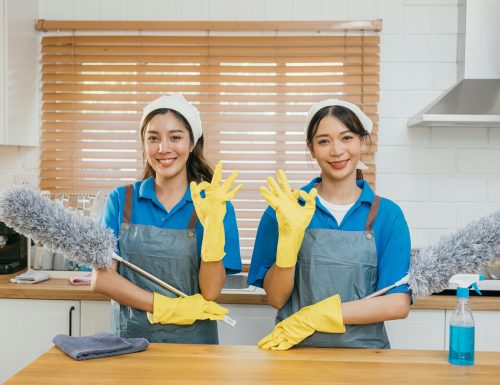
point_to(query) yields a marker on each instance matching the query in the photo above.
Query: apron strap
(193, 220)
(371, 216)
(127, 210)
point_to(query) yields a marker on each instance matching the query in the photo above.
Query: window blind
(253, 93)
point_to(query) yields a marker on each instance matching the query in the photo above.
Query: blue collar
(147, 191)
(367, 194)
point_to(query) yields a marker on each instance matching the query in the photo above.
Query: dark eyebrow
(169, 132)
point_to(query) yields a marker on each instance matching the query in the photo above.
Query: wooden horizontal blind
(253, 93)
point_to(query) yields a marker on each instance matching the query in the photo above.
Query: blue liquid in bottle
(461, 345)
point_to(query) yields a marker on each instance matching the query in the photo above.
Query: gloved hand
(324, 316)
(211, 211)
(184, 310)
(293, 218)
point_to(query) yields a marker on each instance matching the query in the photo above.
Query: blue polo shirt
(392, 237)
(147, 210)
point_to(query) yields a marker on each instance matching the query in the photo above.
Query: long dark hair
(198, 168)
(346, 116)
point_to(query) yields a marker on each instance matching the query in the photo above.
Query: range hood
(474, 100)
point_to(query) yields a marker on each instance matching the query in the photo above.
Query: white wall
(442, 177)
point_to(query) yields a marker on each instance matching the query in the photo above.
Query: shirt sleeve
(232, 259)
(111, 217)
(394, 251)
(264, 251)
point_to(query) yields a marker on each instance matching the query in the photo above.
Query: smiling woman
(346, 243)
(166, 227)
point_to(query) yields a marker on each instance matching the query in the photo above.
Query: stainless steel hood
(474, 100)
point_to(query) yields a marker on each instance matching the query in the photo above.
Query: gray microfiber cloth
(98, 346)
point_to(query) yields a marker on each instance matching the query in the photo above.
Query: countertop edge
(61, 289)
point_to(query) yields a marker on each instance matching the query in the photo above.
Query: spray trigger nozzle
(474, 286)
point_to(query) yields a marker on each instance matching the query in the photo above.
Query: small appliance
(13, 250)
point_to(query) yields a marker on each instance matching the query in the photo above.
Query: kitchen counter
(223, 364)
(63, 290)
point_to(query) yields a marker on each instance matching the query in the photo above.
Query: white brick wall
(441, 177)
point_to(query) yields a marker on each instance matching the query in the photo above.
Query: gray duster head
(79, 238)
(468, 250)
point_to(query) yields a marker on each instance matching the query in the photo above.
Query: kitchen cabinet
(422, 329)
(19, 73)
(254, 322)
(27, 328)
(487, 330)
(95, 317)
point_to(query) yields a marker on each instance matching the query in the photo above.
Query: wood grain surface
(225, 364)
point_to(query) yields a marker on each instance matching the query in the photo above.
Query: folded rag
(81, 280)
(30, 276)
(98, 345)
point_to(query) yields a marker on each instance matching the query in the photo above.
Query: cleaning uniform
(166, 244)
(368, 251)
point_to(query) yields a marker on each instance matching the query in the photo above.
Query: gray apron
(338, 262)
(170, 255)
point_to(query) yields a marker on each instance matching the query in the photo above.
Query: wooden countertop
(62, 289)
(242, 365)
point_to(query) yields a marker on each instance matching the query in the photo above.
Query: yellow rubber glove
(184, 310)
(292, 218)
(324, 316)
(211, 211)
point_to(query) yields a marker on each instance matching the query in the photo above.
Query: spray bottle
(462, 322)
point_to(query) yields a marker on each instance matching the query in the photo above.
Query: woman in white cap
(172, 229)
(332, 241)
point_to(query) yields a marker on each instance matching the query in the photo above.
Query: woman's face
(336, 149)
(167, 145)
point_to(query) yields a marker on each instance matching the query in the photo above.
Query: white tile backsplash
(222, 10)
(494, 189)
(306, 10)
(88, 10)
(140, 9)
(479, 161)
(363, 9)
(460, 137)
(468, 212)
(388, 159)
(404, 188)
(251, 10)
(444, 48)
(459, 189)
(430, 215)
(415, 166)
(394, 132)
(111, 10)
(58, 9)
(428, 161)
(165, 10)
(415, 101)
(195, 10)
(446, 19)
(416, 48)
(444, 75)
(418, 19)
(334, 10)
(391, 48)
(392, 14)
(390, 104)
(278, 9)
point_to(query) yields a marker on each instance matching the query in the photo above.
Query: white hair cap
(178, 103)
(363, 118)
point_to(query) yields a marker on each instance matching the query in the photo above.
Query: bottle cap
(463, 292)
